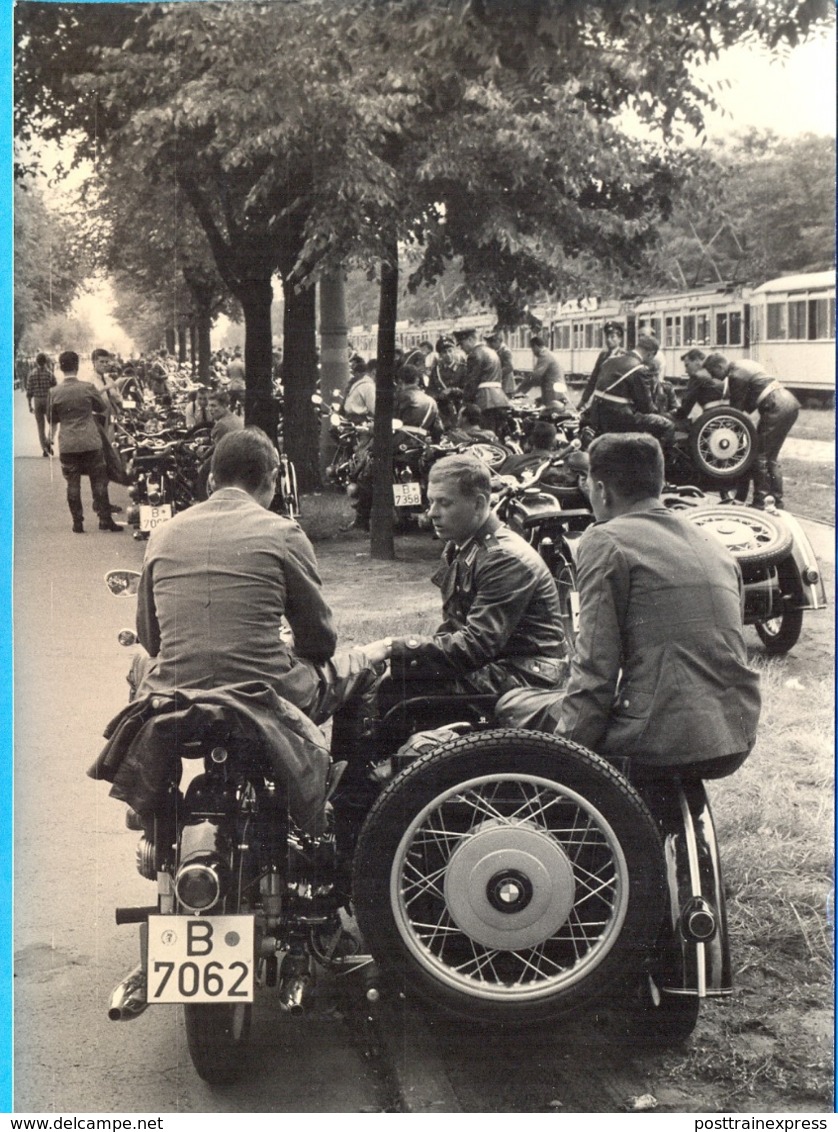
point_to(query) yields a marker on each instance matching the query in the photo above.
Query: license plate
(407, 494)
(200, 959)
(151, 517)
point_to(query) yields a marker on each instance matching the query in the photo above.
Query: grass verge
(810, 489)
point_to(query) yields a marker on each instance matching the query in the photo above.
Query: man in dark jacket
(702, 389)
(72, 406)
(622, 401)
(412, 405)
(38, 384)
(483, 380)
(749, 388)
(501, 616)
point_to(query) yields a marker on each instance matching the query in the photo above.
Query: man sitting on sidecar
(660, 672)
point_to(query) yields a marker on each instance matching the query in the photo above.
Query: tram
(787, 324)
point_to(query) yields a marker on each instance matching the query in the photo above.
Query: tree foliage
(50, 259)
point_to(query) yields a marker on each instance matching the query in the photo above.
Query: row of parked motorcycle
(166, 464)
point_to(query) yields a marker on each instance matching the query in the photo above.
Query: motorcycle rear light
(198, 886)
(154, 498)
(810, 577)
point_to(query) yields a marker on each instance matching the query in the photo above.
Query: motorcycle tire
(509, 877)
(723, 444)
(663, 1020)
(780, 634)
(755, 538)
(493, 455)
(217, 1038)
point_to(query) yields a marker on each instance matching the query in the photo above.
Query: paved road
(74, 862)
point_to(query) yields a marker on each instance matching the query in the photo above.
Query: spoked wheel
(781, 633)
(754, 537)
(217, 1039)
(568, 603)
(723, 444)
(491, 454)
(509, 876)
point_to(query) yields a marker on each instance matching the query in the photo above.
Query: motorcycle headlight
(199, 884)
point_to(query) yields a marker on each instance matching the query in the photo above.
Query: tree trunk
(334, 355)
(193, 345)
(181, 343)
(170, 340)
(203, 327)
(256, 296)
(381, 526)
(300, 381)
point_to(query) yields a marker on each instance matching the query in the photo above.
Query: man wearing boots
(71, 406)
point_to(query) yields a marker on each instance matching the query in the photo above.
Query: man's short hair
(41, 359)
(542, 435)
(410, 374)
(221, 396)
(716, 361)
(536, 340)
(464, 335)
(631, 463)
(471, 475)
(647, 342)
(98, 353)
(68, 362)
(243, 458)
(693, 356)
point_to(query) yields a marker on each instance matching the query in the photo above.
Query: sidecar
(780, 571)
(512, 877)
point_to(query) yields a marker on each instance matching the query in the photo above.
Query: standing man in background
(546, 372)
(507, 368)
(72, 405)
(38, 384)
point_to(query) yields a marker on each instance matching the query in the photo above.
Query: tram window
(819, 320)
(776, 318)
(721, 329)
(702, 330)
(689, 329)
(735, 328)
(797, 319)
(589, 335)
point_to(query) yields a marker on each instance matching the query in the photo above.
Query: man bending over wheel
(660, 673)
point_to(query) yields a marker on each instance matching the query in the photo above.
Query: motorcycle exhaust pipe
(293, 993)
(129, 1000)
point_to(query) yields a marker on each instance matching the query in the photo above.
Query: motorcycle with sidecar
(502, 876)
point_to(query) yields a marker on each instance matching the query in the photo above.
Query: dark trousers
(74, 465)
(610, 417)
(777, 414)
(39, 408)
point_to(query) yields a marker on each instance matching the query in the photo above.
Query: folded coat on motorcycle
(142, 755)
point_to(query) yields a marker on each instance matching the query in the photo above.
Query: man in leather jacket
(622, 399)
(501, 616)
(749, 388)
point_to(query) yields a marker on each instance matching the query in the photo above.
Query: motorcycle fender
(802, 564)
(701, 966)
